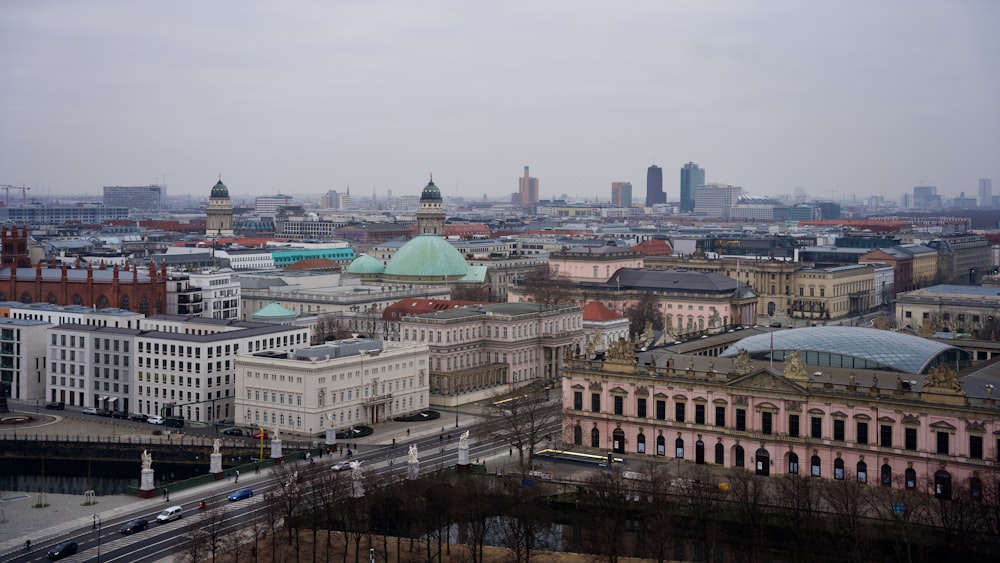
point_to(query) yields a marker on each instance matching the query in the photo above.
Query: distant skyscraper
(926, 197)
(142, 198)
(691, 177)
(527, 188)
(985, 192)
(621, 194)
(654, 186)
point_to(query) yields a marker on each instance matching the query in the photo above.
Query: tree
(799, 500)
(470, 292)
(523, 421)
(645, 310)
(527, 515)
(547, 288)
(752, 499)
(602, 510)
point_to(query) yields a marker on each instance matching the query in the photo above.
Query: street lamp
(456, 419)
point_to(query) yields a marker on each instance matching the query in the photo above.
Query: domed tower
(220, 211)
(430, 213)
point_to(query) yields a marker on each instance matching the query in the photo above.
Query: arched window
(661, 446)
(52, 299)
(679, 448)
(885, 475)
(618, 441)
(838, 469)
(103, 303)
(862, 472)
(77, 300)
(595, 271)
(942, 485)
(159, 305)
(595, 438)
(640, 443)
(814, 466)
(699, 452)
(720, 454)
(793, 463)
(577, 435)
(124, 303)
(738, 457)
(144, 305)
(910, 478)
(25, 297)
(976, 488)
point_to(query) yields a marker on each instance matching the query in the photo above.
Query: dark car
(104, 412)
(233, 432)
(119, 414)
(241, 494)
(138, 417)
(133, 526)
(57, 406)
(64, 549)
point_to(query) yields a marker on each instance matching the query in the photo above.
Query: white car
(90, 410)
(155, 420)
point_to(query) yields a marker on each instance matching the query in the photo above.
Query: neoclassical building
(220, 211)
(929, 430)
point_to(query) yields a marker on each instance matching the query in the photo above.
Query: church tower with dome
(220, 211)
(430, 213)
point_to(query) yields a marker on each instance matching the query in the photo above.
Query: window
(720, 454)
(910, 442)
(793, 425)
(720, 416)
(862, 432)
(862, 472)
(793, 463)
(814, 466)
(578, 400)
(838, 429)
(976, 447)
(640, 443)
(766, 422)
(679, 448)
(661, 410)
(595, 438)
(640, 408)
(699, 414)
(838, 469)
(816, 427)
(595, 402)
(679, 412)
(741, 419)
(661, 446)
(619, 405)
(942, 443)
(910, 478)
(577, 435)
(885, 435)
(739, 455)
(885, 475)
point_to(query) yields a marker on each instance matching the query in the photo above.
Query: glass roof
(896, 351)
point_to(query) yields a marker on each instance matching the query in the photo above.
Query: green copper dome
(365, 264)
(430, 193)
(220, 190)
(274, 311)
(427, 256)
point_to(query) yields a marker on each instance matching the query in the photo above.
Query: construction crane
(24, 193)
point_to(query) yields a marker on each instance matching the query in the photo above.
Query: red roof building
(421, 306)
(595, 311)
(654, 247)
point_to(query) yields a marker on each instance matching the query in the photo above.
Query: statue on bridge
(147, 460)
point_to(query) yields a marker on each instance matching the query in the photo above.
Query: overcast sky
(855, 98)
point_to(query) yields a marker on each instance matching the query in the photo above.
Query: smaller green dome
(274, 311)
(430, 193)
(365, 264)
(220, 190)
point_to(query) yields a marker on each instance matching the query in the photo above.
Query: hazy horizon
(851, 98)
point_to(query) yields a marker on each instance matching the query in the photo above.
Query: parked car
(57, 406)
(155, 419)
(241, 494)
(233, 432)
(90, 410)
(257, 434)
(170, 514)
(63, 549)
(138, 417)
(133, 526)
(103, 412)
(119, 414)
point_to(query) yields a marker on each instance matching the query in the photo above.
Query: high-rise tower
(691, 177)
(527, 188)
(621, 194)
(985, 192)
(654, 186)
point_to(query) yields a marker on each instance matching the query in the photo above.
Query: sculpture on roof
(621, 351)
(741, 365)
(646, 338)
(356, 470)
(943, 377)
(592, 347)
(794, 368)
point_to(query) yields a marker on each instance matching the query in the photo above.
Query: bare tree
(658, 510)
(799, 500)
(704, 503)
(751, 497)
(645, 310)
(523, 422)
(602, 510)
(850, 501)
(547, 288)
(526, 516)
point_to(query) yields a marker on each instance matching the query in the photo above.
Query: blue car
(241, 494)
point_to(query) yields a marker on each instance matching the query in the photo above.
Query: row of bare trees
(656, 511)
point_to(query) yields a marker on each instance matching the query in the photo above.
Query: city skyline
(316, 98)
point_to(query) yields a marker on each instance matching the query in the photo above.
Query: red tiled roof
(654, 247)
(314, 264)
(422, 306)
(594, 311)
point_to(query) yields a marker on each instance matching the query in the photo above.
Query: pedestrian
(510, 452)
(407, 432)
(237, 476)
(229, 476)
(256, 469)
